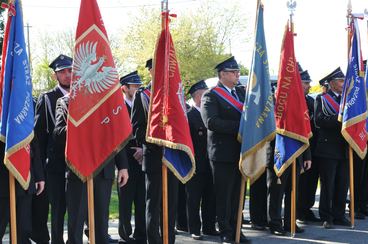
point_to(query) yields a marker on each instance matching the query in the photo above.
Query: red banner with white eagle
(98, 122)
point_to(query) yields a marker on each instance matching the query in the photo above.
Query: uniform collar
(198, 108)
(227, 88)
(63, 90)
(127, 101)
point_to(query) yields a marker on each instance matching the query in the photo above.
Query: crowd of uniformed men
(208, 203)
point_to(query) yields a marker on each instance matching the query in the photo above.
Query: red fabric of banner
(98, 122)
(291, 111)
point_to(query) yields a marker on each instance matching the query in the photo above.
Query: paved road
(312, 234)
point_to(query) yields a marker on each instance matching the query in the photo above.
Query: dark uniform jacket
(198, 133)
(44, 127)
(222, 121)
(59, 136)
(139, 122)
(134, 164)
(330, 143)
(310, 105)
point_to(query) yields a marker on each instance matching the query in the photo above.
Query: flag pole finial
(349, 12)
(291, 5)
(350, 7)
(164, 5)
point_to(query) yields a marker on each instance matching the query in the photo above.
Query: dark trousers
(360, 183)
(334, 175)
(227, 186)
(201, 195)
(307, 188)
(153, 206)
(77, 199)
(133, 192)
(280, 187)
(56, 195)
(40, 214)
(258, 201)
(181, 215)
(23, 211)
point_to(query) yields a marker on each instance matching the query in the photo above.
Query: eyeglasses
(235, 72)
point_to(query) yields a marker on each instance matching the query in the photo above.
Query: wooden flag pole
(351, 159)
(13, 213)
(240, 209)
(293, 200)
(165, 207)
(351, 171)
(291, 6)
(91, 211)
(243, 179)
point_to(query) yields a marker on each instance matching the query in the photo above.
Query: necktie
(233, 93)
(338, 98)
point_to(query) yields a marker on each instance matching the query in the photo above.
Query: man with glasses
(221, 110)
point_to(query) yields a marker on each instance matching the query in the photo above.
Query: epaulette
(47, 92)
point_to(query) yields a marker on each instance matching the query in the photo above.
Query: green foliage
(243, 70)
(47, 48)
(315, 89)
(43, 78)
(114, 203)
(200, 40)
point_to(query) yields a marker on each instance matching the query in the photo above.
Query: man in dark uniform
(55, 165)
(134, 190)
(221, 111)
(331, 153)
(199, 189)
(23, 197)
(77, 190)
(308, 180)
(280, 189)
(152, 166)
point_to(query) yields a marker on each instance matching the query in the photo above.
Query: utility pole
(29, 46)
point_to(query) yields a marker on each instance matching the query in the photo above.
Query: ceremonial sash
(225, 95)
(147, 94)
(331, 103)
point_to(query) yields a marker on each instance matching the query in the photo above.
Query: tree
(200, 40)
(47, 48)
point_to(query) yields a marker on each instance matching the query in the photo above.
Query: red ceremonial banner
(98, 121)
(291, 110)
(167, 122)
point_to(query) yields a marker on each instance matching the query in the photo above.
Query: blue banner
(17, 115)
(257, 124)
(353, 106)
(285, 148)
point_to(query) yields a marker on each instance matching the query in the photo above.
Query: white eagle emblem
(87, 66)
